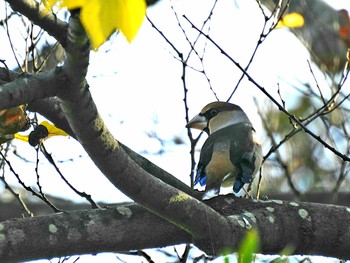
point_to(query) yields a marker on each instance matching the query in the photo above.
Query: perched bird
(231, 154)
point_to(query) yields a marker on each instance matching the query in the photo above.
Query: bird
(231, 155)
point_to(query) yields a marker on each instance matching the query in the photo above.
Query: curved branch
(150, 192)
(51, 109)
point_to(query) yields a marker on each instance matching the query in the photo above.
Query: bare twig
(263, 35)
(9, 188)
(29, 189)
(184, 63)
(82, 194)
(9, 37)
(318, 86)
(279, 159)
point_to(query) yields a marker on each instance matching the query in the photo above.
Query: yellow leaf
(292, 20)
(21, 137)
(73, 4)
(53, 130)
(48, 4)
(130, 17)
(70, 4)
(100, 18)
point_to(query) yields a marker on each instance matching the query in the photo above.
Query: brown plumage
(231, 154)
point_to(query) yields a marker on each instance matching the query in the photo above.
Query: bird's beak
(198, 122)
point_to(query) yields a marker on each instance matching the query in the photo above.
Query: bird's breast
(220, 164)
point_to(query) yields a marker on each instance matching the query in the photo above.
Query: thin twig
(318, 86)
(282, 163)
(82, 194)
(262, 38)
(29, 189)
(9, 188)
(9, 37)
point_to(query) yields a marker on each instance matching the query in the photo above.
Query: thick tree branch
(29, 87)
(150, 192)
(41, 17)
(51, 109)
(311, 229)
(13, 209)
(85, 232)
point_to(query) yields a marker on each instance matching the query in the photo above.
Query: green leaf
(248, 247)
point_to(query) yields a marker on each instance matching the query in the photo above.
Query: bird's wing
(245, 155)
(204, 159)
(220, 137)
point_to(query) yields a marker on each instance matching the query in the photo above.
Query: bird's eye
(213, 112)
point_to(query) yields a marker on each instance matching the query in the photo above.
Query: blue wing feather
(201, 177)
(237, 186)
(246, 176)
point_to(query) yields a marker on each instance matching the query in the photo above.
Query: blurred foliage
(249, 245)
(46, 57)
(297, 161)
(325, 33)
(301, 163)
(12, 120)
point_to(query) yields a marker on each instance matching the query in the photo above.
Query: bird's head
(218, 115)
